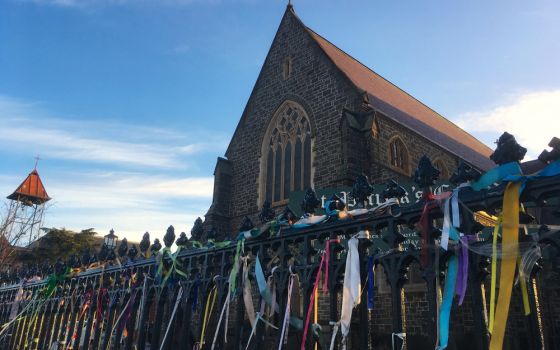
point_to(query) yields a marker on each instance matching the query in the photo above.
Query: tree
(61, 243)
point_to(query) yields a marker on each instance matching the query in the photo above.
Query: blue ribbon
(448, 293)
(497, 174)
(511, 172)
(445, 310)
(371, 283)
(195, 293)
(261, 282)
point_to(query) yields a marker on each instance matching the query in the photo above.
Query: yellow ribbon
(510, 237)
(207, 315)
(493, 274)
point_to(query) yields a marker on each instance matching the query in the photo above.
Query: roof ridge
(396, 86)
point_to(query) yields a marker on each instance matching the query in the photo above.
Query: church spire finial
(290, 4)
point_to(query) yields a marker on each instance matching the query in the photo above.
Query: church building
(318, 118)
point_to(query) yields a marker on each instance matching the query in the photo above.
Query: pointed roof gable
(405, 109)
(31, 190)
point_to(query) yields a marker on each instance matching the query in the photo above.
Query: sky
(128, 103)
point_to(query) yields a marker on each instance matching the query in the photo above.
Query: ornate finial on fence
(197, 230)
(111, 255)
(145, 244)
(103, 253)
(59, 267)
(426, 174)
(132, 252)
(182, 241)
(310, 202)
(169, 237)
(123, 248)
(361, 191)
(288, 215)
(336, 203)
(156, 247)
(267, 213)
(86, 257)
(393, 190)
(552, 155)
(508, 150)
(246, 224)
(464, 173)
(74, 261)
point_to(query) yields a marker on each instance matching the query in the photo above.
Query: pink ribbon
(324, 260)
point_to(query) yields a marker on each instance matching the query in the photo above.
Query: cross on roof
(37, 159)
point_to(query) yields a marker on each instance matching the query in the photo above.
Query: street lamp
(110, 240)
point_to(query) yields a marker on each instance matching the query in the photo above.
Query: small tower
(24, 217)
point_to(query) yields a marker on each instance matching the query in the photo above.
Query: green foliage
(62, 243)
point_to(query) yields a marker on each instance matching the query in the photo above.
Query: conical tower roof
(31, 190)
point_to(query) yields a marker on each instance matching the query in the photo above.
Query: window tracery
(398, 154)
(287, 154)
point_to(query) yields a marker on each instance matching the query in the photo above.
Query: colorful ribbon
(371, 283)
(463, 272)
(423, 223)
(210, 300)
(510, 236)
(285, 324)
(315, 286)
(352, 286)
(174, 268)
(177, 302)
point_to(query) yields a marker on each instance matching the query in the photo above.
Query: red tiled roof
(406, 110)
(31, 190)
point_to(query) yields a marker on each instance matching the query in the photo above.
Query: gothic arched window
(439, 164)
(398, 154)
(286, 154)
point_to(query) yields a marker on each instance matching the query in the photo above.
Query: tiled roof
(31, 190)
(406, 110)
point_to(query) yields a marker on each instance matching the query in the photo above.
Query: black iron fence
(190, 299)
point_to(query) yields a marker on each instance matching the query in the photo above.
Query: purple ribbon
(463, 272)
(371, 277)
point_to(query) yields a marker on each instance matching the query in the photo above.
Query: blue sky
(129, 102)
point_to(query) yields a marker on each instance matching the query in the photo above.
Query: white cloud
(131, 203)
(533, 118)
(120, 190)
(27, 128)
(148, 191)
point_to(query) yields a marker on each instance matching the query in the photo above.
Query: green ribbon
(53, 280)
(174, 265)
(235, 269)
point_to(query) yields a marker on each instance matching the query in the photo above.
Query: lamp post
(110, 240)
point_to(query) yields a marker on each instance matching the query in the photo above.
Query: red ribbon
(101, 297)
(324, 261)
(430, 200)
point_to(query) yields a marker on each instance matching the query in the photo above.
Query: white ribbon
(446, 225)
(286, 322)
(333, 337)
(352, 285)
(401, 336)
(15, 304)
(452, 218)
(226, 307)
(179, 295)
(455, 206)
